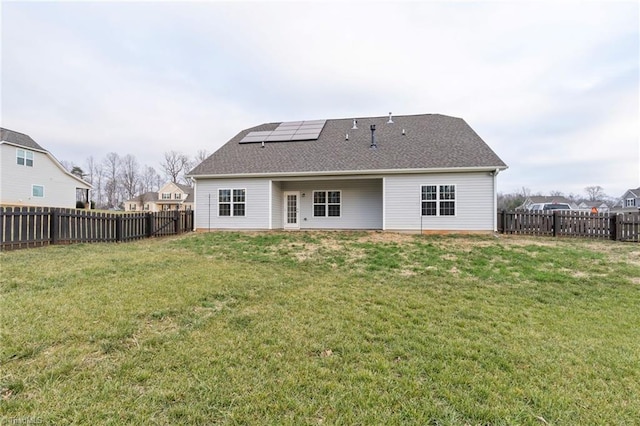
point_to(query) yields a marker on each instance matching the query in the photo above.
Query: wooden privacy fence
(38, 226)
(609, 226)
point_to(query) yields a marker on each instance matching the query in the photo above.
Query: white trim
(24, 157)
(195, 213)
(33, 186)
(495, 200)
(380, 172)
(326, 203)
(270, 204)
(384, 204)
(231, 202)
(438, 200)
(285, 210)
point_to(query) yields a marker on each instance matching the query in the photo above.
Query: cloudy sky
(552, 87)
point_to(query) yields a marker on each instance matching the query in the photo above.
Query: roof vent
(346, 137)
(404, 133)
(373, 137)
(355, 124)
(390, 119)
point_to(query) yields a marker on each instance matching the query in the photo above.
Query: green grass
(322, 328)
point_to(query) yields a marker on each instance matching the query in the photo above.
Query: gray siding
(16, 181)
(361, 203)
(256, 204)
(474, 202)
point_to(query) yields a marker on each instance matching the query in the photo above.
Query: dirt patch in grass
(386, 237)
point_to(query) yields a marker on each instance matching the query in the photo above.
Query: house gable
(631, 199)
(30, 175)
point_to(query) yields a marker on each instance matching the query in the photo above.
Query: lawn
(322, 328)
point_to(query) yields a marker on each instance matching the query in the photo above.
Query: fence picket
(571, 224)
(22, 227)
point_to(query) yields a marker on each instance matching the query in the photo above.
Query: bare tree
(595, 192)
(130, 177)
(149, 180)
(174, 164)
(95, 178)
(68, 165)
(202, 155)
(112, 185)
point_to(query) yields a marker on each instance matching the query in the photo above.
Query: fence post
(504, 221)
(149, 224)
(176, 220)
(613, 227)
(556, 222)
(118, 228)
(53, 226)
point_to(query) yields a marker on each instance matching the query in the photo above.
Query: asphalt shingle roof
(432, 141)
(18, 138)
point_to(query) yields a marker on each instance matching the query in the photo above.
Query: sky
(551, 87)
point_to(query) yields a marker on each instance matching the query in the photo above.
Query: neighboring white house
(413, 173)
(172, 196)
(31, 176)
(594, 206)
(629, 202)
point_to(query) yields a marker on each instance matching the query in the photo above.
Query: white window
(231, 202)
(438, 200)
(327, 203)
(132, 207)
(166, 195)
(630, 202)
(37, 191)
(24, 157)
(178, 196)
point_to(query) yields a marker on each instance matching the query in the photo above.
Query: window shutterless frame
(327, 203)
(37, 191)
(24, 157)
(232, 202)
(438, 200)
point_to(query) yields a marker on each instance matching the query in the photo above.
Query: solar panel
(288, 131)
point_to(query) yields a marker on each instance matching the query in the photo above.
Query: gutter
(492, 169)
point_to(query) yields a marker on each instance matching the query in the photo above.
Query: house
(542, 199)
(629, 202)
(414, 173)
(599, 206)
(172, 196)
(31, 176)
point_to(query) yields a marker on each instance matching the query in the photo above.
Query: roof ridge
(362, 117)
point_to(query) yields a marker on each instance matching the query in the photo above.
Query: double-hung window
(327, 203)
(166, 195)
(37, 191)
(438, 200)
(630, 202)
(24, 157)
(231, 202)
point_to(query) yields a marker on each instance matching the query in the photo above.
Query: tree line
(513, 200)
(116, 178)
